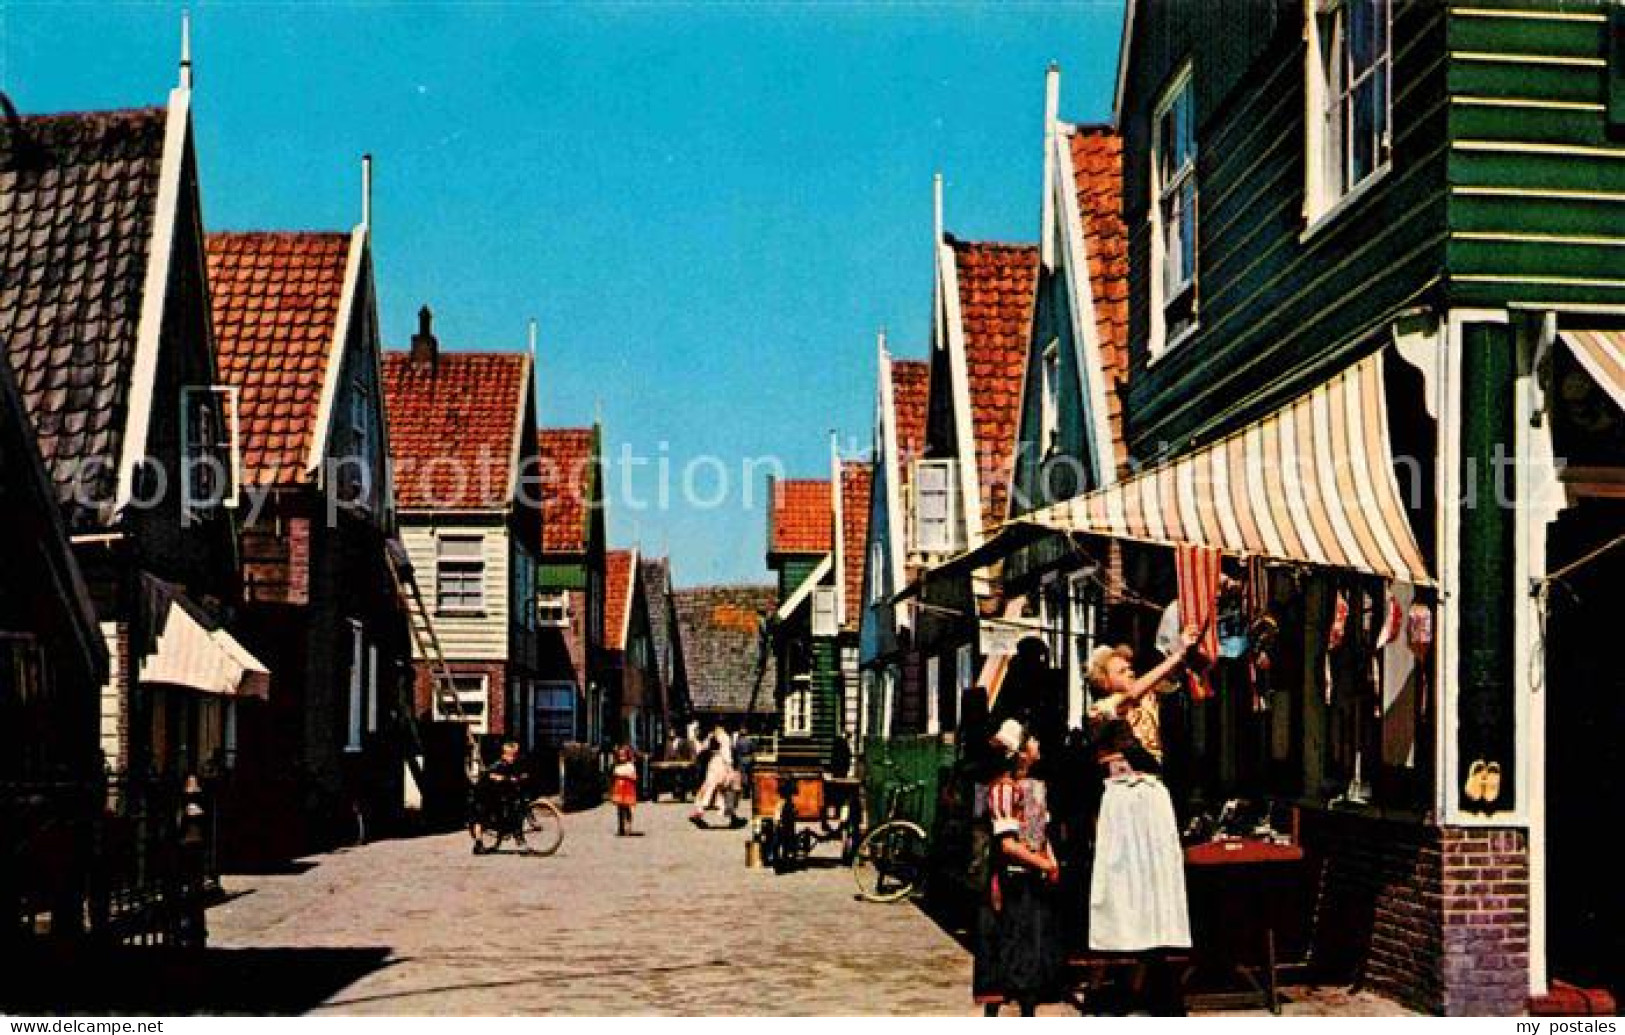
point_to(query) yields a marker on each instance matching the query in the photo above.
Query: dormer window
(1349, 87)
(1173, 214)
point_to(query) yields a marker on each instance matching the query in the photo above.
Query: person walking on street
(624, 790)
(719, 777)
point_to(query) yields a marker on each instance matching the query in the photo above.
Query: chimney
(425, 347)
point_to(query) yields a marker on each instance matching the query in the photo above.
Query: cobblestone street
(668, 923)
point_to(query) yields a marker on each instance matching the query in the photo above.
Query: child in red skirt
(623, 790)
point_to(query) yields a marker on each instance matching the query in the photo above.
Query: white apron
(1137, 891)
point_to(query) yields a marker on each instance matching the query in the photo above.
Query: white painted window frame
(1329, 187)
(823, 612)
(229, 398)
(949, 539)
(480, 694)
(372, 688)
(1049, 413)
(475, 564)
(933, 706)
(546, 616)
(798, 708)
(1162, 293)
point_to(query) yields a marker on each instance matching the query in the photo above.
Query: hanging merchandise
(1334, 637)
(1232, 627)
(1198, 571)
(1393, 620)
(1257, 598)
(1419, 630)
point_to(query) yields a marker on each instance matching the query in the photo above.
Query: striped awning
(1312, 482)
(1602, 353)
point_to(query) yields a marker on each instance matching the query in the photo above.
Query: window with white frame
(1173, 212)
(933, 698)
(877, 572)
(798, 709)
(965, 679)
(936, 507)
(1049, 414)
(473, 697)
(823, 612)
(355, 466)
(553, 610)
(460, 573)
(372, 688)
(1349, 86)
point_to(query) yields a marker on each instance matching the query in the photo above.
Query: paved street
(668, 923)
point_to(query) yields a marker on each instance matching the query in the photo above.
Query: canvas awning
(189, 654)
(1602, 354)
(1313, 482)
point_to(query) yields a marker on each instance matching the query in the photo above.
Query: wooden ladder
(428, 650)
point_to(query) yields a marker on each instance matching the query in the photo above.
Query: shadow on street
(271, 981)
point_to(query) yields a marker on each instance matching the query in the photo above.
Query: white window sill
(352, 749)
(1159, 354)
(460, 612)
(1346, 202)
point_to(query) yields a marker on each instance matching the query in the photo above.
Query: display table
(1248, 903)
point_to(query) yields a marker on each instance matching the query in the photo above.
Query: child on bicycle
(624, 790)
(496, 790)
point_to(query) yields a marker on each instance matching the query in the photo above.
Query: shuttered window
(823, 612)
(460, 573)
(935, 506)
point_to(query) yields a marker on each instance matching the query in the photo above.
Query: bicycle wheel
(891, 861)
(490, 838)
(543, 828)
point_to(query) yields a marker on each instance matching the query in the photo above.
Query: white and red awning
(1313, 482)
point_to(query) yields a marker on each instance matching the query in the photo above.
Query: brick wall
(1434, 918)
(496, 682)
(1485, 901)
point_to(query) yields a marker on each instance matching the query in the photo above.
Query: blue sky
(709, 209)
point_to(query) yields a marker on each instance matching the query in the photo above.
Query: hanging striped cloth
(1198, 570)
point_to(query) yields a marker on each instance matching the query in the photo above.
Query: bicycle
(892, 860)
(534, 824)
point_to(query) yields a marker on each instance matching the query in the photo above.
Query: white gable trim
(154, 298)
(1124, 45)
(970, 484)
(322, 432)
(527, 391)
(837, 492)
(1085, 331)
(803, 591)
(631, 590)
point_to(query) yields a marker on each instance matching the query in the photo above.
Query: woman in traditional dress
(1137, 889)
(1018, 953)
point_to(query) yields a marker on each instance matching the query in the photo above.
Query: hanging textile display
(1198, 571)
(1335, 636)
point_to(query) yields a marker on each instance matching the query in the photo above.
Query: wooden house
(960, 485)
(296, 331)
(1375, 329)
(851, 483)
(889, 669)
(634, 694)
(806, 626)
(571, 582)
(104, 315)
(463, 442)
(666, 641)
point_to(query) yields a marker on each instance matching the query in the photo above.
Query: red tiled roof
(911, 388)
(620, 570)
(1097, 164)
(996, 285)
(276, 301)
(78, 205)
(567, 455)
(451, 427)
(803, 519)
(856, 478)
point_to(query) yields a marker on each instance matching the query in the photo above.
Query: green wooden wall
(1537, 184)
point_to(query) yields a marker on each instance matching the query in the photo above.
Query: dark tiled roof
(655, 574)
(996, 285)
(567, 455)
(78, 205)
(856, 478)
(619, 586)
(803, 517)
(721, 645)
(276, 302)
(451, 427)
(1097, 164)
